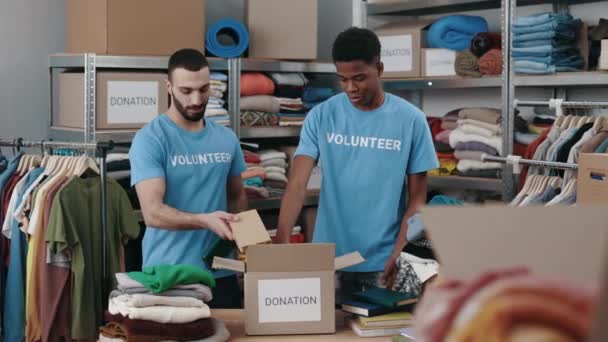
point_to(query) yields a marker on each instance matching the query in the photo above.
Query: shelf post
(89, 98)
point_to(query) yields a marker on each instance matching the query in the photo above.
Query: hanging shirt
(75, 226)
(366, 157)
(14, 306)
(195, 167)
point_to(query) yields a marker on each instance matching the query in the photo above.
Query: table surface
(235, 322)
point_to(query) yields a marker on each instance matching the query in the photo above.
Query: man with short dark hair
(375, 149)
(187, 173)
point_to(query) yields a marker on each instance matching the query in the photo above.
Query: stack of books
(379, 312)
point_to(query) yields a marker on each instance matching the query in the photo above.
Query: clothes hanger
(556, 182)
(541, 185)
(530, 184)
(566, 122)
(597, 125)
(87, 164)
(558, 122)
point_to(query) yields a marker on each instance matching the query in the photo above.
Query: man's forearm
(417, 198)
(291, 205)
(166, 217)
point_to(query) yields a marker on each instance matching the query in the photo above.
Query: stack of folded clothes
(254, 176)
(216, 110)
(315, 95)
(275, 165)
(258, 104)
(162, 303)
(546, 43)
(479, 131)
(440, 130)
(289, 89)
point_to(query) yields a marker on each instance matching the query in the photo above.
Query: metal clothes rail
(102, 149)
(517, 161)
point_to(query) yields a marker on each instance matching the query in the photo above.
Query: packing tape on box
(227, 38)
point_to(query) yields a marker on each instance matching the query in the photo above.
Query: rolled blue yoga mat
(230, 29)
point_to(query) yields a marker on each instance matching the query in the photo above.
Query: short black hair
(356, 44)
(189, 59)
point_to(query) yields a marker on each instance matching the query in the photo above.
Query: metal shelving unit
(423, 7)
(90, 63)
(507, 82)
(465, 183)
(269, 132)
(441, 83)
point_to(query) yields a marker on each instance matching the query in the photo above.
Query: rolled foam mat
(227, 28)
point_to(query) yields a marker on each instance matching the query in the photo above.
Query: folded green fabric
(164, 277)
(467, 64)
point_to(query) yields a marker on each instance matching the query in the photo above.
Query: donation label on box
(289, 300)
(396, 53)
(132, 101)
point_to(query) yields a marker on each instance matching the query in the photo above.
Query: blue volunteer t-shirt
(365, 156)
(195, 167)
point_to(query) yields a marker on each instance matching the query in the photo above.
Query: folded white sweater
(142, 300)
(465, 165)
(459, 136)
(477, 130)
(160, 314)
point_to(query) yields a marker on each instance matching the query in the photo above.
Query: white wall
(30, 30)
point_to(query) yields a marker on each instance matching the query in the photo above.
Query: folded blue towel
(455, 32)
(545, 51)
(542, 18)
(555, 42)
(218, 76)
(573, 25)
(312, 94)
(544, 35)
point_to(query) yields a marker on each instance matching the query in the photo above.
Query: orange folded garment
(255, 83)
(491, 63)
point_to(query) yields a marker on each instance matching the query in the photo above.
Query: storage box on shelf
(107, 26)
(282, 29)
(124, 100)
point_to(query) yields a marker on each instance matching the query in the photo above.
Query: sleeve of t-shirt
(309, 138)
(422, 154)
(238, 164)
(146, 157)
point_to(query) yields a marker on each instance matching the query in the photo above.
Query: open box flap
(228, 264)
(347, 260)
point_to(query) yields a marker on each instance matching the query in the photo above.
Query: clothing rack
(102, 149)
(554, 103)
(517, 161)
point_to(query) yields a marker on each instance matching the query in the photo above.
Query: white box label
(396, 53)
(132, 101)
(440, 62)
(289, 300)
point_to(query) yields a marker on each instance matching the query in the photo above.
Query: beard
(183, 110)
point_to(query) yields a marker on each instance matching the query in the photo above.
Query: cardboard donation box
(135, 27)
(282, 29)
(401, 47)
(289, 289)
(566, 244)
(124, 100)
(592, 180)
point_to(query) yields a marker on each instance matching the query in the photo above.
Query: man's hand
(217, 222)
(390, 271)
